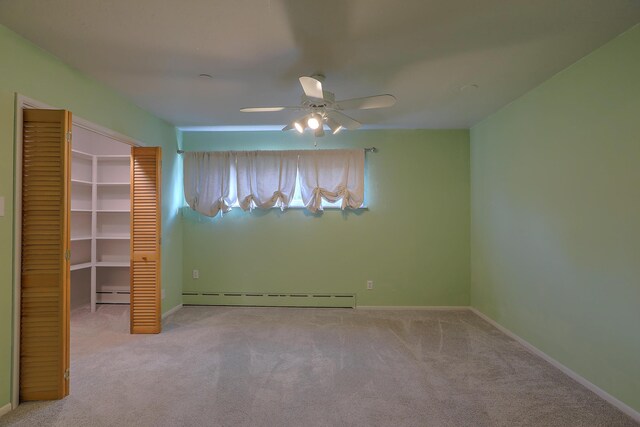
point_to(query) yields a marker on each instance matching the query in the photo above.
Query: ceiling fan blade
(312, 87)
(287, 127)
(344, 120)
(367, 103)
(266, 109)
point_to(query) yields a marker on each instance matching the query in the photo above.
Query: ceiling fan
(320, 108)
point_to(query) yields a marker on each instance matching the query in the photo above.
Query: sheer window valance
(216, 181)
(331, 175)
(266, 178)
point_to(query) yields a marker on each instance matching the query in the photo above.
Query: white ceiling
(422, 51)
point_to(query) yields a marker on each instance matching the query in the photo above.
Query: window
(314, 179)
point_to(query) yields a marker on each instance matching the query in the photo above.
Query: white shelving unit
(100, 230)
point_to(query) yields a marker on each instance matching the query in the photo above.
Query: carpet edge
(626, 409)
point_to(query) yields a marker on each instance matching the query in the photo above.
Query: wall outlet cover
(195, 274)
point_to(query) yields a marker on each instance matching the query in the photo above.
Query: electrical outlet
(195, 274)
(163, 294)
(369, 284)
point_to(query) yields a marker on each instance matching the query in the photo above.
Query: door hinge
(67, 254)
(69, 136)
(66, 374)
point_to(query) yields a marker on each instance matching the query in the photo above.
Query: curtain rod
(368, 149)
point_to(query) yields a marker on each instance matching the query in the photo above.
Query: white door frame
(22, 102)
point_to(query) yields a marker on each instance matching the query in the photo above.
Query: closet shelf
(78, 239)
(80, 266)
(100, 264)
(114, 157)
(101, 210)
(115, 288)
(113, 264)
(114, 183)
(82, 154)
(114, 237)
(81, 181)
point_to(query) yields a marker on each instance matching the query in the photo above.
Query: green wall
(555, 201)
(32, 72)
(413, 241)
(554, 218)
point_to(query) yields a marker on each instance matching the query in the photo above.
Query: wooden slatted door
(44, 307)
(145, 240)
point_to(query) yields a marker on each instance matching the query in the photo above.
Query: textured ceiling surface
(421, 51)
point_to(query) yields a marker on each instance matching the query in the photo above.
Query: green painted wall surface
(413, 242)
(556, 217)
(32, 72)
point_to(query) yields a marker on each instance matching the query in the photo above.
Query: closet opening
(100, 221)
(73, 221)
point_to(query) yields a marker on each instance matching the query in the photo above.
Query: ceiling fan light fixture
(299, 127)
(334, 126)
(314, 121)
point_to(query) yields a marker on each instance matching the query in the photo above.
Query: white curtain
(331, 175)
(209, 186)
(266, 178)
(214, 181)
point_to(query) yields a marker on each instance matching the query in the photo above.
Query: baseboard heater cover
(279, 299)
(113, 294)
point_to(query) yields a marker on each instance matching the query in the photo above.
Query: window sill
(326, 208)
(186, 210)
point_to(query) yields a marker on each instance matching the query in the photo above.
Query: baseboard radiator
(269, 299)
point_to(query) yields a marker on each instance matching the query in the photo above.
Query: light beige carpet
(226, 366)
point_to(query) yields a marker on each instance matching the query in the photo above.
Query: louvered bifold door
(44, 307)
(145, 240)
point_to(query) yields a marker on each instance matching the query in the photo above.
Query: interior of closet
(100, 219)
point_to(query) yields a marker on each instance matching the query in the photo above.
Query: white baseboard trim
(567, 371)
(412, 307)
(170, 312)
(5, 409)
